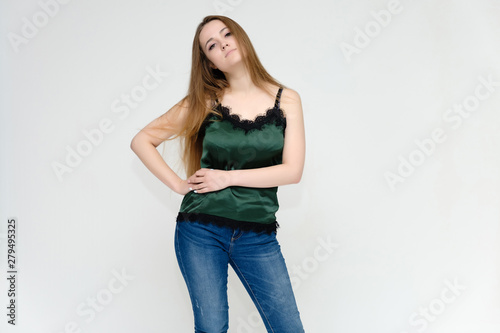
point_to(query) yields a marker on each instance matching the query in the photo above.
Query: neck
(240, 81)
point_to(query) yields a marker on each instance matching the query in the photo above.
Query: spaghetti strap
(278, 98)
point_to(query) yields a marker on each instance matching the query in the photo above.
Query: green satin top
(230, 143)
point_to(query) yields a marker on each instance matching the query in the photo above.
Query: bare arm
(289, 172)
(145, 142)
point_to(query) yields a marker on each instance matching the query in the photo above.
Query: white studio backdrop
(393, 229)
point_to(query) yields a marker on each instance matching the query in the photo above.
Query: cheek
(212, 58)
(235, 42)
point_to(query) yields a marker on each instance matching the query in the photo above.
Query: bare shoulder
(290, 96)
(291, 102)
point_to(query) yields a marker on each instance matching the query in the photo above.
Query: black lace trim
(229, 223)
(273, 115)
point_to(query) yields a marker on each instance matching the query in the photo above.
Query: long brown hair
(207, 83)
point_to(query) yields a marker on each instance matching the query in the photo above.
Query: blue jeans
(204, 252)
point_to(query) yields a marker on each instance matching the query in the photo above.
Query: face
(219, 45)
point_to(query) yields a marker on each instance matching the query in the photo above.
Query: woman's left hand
(208, 180)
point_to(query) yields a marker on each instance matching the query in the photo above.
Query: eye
(211, 46)
(227, 35)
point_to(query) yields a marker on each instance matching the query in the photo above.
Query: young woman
(243, 136)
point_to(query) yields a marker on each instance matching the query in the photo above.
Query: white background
(428, 243)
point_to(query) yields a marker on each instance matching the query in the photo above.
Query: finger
(201, 188)
(194, 186)
(194, 179)
(200, 172)
(201, 191)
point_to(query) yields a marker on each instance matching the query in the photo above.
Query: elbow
(293, 173)
(141, 141)
(133, 144)
(298, 172)
(296, 177)
(137, 142)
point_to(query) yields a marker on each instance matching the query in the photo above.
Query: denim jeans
(204, 252)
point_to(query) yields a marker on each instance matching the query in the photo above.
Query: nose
(224, 45)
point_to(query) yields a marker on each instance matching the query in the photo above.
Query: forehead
(210, 30)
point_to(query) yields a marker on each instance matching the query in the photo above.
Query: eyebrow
(208, 41)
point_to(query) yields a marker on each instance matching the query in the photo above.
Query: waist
(246, 204)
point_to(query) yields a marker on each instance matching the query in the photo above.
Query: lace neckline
(272, 115)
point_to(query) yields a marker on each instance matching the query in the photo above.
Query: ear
(212, 65)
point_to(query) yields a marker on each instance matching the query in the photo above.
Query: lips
(230, 52)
